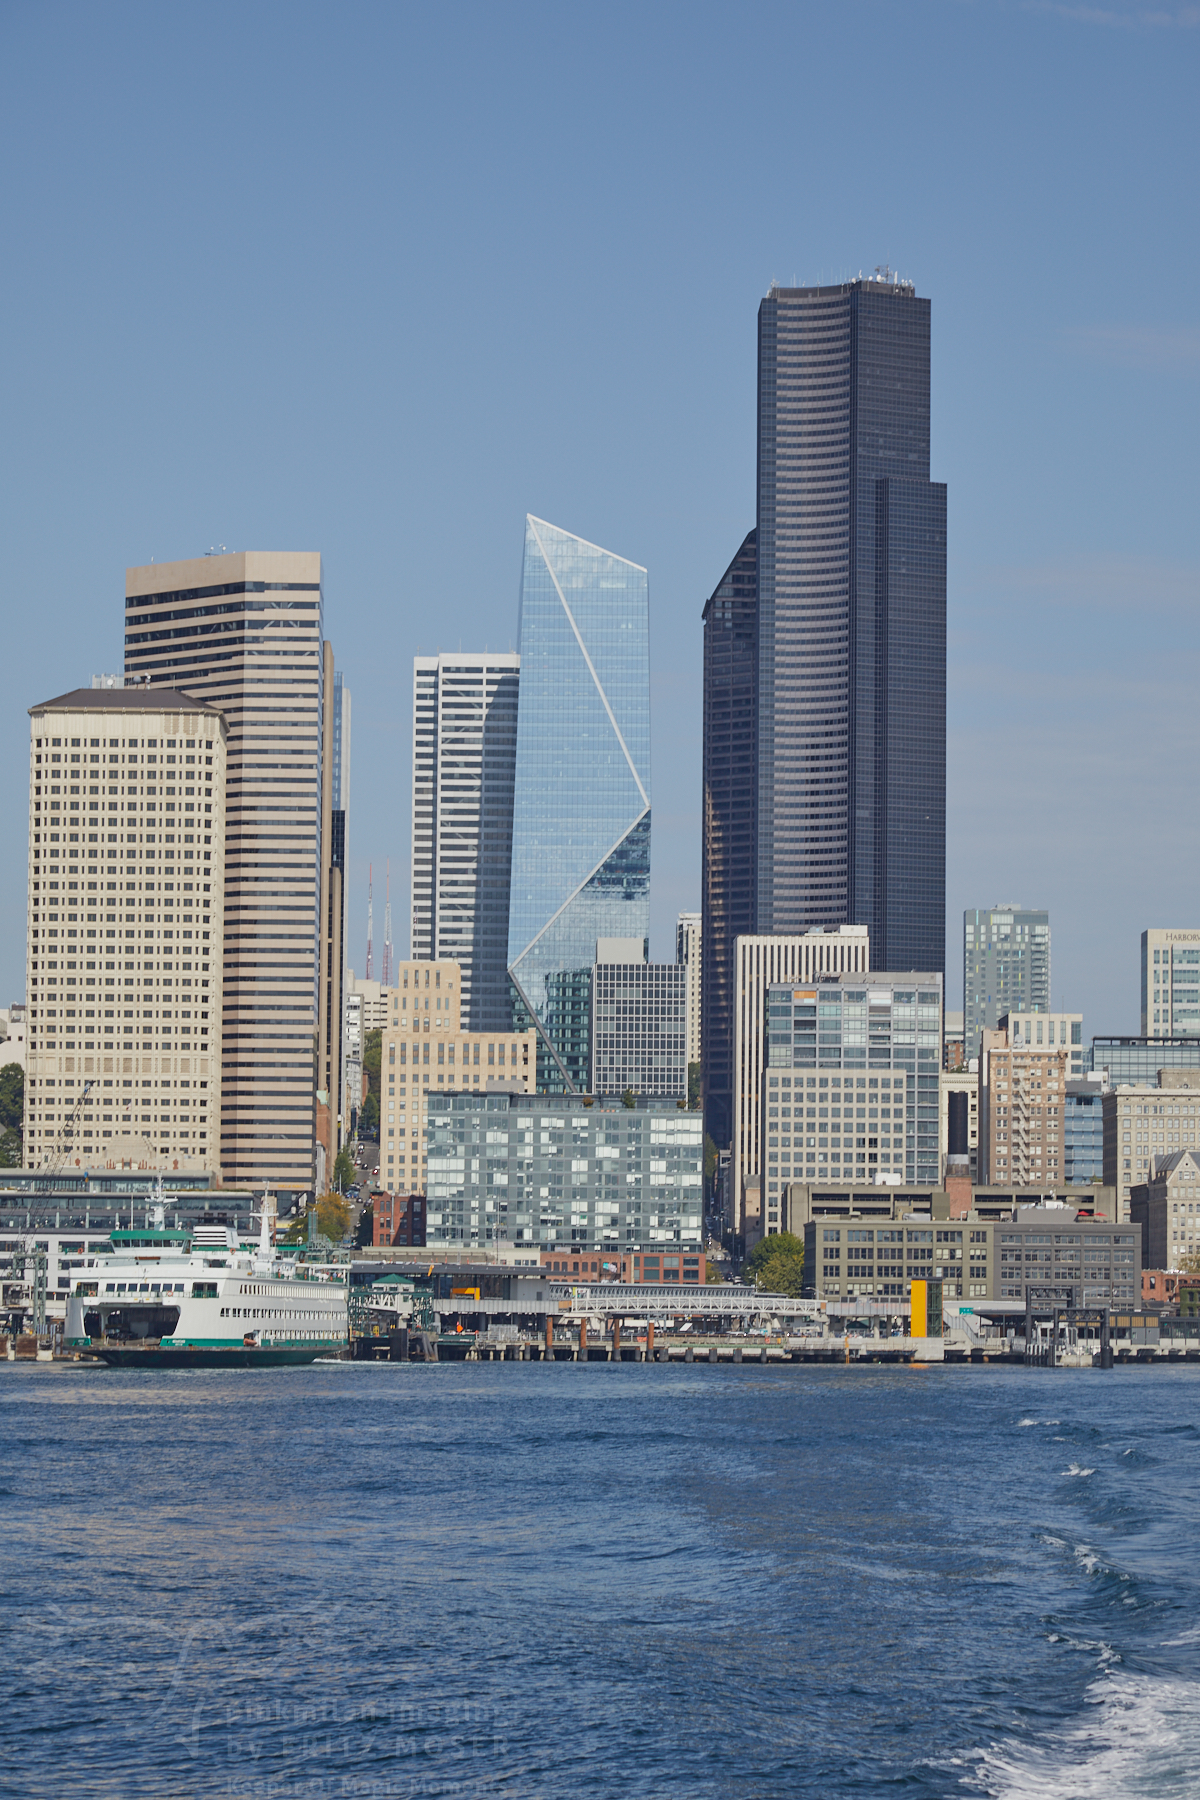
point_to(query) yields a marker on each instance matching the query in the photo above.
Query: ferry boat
(203, 1299)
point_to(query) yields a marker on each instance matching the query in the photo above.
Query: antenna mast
(387, 929)
(370, 917)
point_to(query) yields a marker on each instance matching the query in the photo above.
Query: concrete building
(1144, 1124)
(13, 1029)
(244, 633)
(424, 1048)
(954, 1055)
(861, 1062)
(878, 1248)
(1042, 1030)
(688, 953)
(964, 1082)
(1006, 967)
(656, 1267)
(541, 1169)
(1170, 984)
(1022, 1093)
(335, 796)
(1166, 1210)
(464, 758)
(639, 1013)
(758, 963)
(124, 958)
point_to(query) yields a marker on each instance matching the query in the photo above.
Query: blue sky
(378, 280)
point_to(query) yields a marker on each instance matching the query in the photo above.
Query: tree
(372, 1058)
(714, 1272)
(710, 1161)
(343, 1169)
(10, 1149)
(333, 1217)
(368, 1118)
(695, 1099)
(1189, 1262)
(628, 1099)
(12, 1097)
(364, 1236)
(776, 1264)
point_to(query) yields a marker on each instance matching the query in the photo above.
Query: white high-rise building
(1170, 983)
(759, 961)
(464, 751)
(687, 951)
(125, 945)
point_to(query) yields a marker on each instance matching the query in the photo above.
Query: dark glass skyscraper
(730, 797)
(851, 723)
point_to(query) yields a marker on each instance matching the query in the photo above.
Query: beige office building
(1170, 983)
(759, 961)
(1144, 1126)
(124, 955)
(687, 951)
(426, 1050)
(244, 633)
(1049, 1031)
(1022, 1095)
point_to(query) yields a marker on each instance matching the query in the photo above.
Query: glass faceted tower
(581, 801)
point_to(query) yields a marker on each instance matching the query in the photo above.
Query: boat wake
(1139, 1736)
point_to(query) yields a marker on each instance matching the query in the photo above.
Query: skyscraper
(688, 952)
(1170, 983)
(1006, 968)
(851, 547)
(581, 801)
(464, 746)
(244, 633)
(729, 868)
(126, 853)
(335, 792)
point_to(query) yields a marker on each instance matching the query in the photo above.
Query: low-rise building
(1167, 1210)
(655, 1266)
(874, 1244)
(561, 1170)
(1160, 1287)
(397, 1220)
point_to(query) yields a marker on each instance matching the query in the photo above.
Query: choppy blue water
(601, 1580)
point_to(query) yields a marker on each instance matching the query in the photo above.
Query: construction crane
(57, 1154)
(370, 915)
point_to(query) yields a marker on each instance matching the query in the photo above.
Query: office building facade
(861, 1064)
(760, 962)
(1166, 1208)
(1170, 983)
(244, 633)
(581, 801)
(1083, 1133)
(424, 1047)
(851, 552)
(550, 1170)
(729, 840)
(1006, 967)
(1142, 1060)
(1049, 1030)
(639, 1023)
(124, 950)
(1144, 1123)
(688, 952)
(464, 750)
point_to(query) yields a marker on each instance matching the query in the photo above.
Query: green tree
(343, 1169)
(695, 1099)
(372, 1058)
(12, 1097)
(368, 1118)
(628, 1099)
(710, 1162)
(714, 1272)
(333, 1217)
(777, 1264)
(10, 1149)
(365, 1233)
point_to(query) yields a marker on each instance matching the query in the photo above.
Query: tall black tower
(851, 703)
(728, 857)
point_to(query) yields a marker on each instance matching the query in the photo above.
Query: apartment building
(1022, 1097)
(688, 952)
(1144, 1125)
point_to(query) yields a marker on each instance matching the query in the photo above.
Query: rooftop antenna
(370, 917)
(387, 929)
